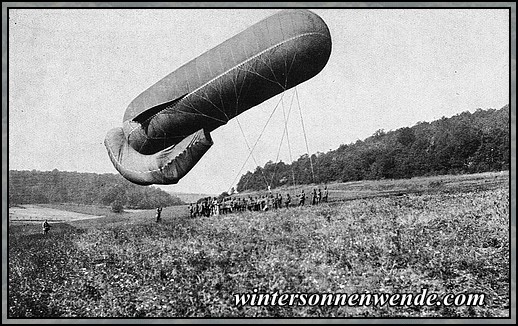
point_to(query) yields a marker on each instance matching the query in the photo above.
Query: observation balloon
(166, 129)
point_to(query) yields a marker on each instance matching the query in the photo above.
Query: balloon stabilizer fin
(167, 166)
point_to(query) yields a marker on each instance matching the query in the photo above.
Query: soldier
(288, 200)
(326, 193)
(219, 206)
(207, 207)
(250, 203)
(263, 202)
(215, 210)
(197, 210)
(236, 205)
(314, 197)
(302, 198)
(319, 198)
(210, 205)
(267, 203)
(158, 213)
(257, 203)
(240, 204)
(191, 210)
(279, 201)
(225, 206)
(46, 227)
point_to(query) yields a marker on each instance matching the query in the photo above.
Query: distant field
(37, 214)
(446, 234)
(376, 188)
(74, 212)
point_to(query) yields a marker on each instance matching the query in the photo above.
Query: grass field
(446, 234)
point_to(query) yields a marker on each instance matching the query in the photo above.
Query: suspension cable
(255, 144)
(253, 157)
(305, 137)
(282, 138)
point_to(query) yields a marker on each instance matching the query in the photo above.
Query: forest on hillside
(465, 143)
(41, 187)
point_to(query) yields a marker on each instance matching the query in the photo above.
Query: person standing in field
(326, 194)
(206, 207)
(250, 203)
(197, 210)
(266, 203)
(288, 200)
(257, 204)
(314, 197)
(158, 214)
(215, 206)
(46, 227)
(319, 199)
(302, 198)
(191, 210)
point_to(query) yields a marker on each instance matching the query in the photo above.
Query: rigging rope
(282, 138)
(305, 137)
(253, 157)
(255, 144)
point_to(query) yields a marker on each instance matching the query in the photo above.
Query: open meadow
(448, 234)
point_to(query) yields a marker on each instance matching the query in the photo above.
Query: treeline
(39, 187)
(465, 143)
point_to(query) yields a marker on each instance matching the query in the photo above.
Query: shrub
(116, 206)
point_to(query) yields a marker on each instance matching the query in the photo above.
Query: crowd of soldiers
(211, 206)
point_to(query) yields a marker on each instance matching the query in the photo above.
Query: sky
(73, 72)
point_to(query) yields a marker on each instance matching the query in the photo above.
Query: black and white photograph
(243, 163)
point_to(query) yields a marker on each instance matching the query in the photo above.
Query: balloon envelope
(166, 129)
